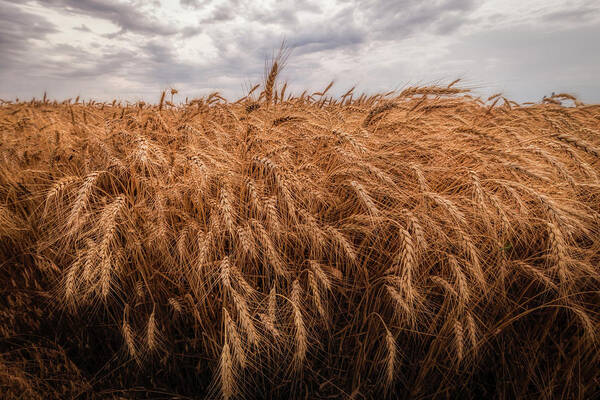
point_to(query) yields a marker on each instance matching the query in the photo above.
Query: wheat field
(423, 243)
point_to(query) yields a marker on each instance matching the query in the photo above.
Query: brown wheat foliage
(420, 244)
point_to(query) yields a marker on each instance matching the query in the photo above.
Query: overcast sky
(133, 49)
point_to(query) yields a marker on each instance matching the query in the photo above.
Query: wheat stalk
(390, 360)
(300, 335)
(128, 334)
(152, 332)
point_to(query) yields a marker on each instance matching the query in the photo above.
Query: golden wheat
(245, 247)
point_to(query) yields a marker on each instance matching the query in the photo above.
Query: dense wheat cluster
(417, 244)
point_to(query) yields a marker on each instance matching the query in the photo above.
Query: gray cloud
(326, 38)
(18, 29)
(389, 19)
(78, 63)
(126, 16)
(83, 28)
(353, 23)
(192, 3)
(190, 31)
(528, 63)
(580, 15)
(373, 43)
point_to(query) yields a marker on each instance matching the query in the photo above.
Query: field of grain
(416, 244)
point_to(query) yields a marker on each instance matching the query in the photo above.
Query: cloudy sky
(132, 49)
